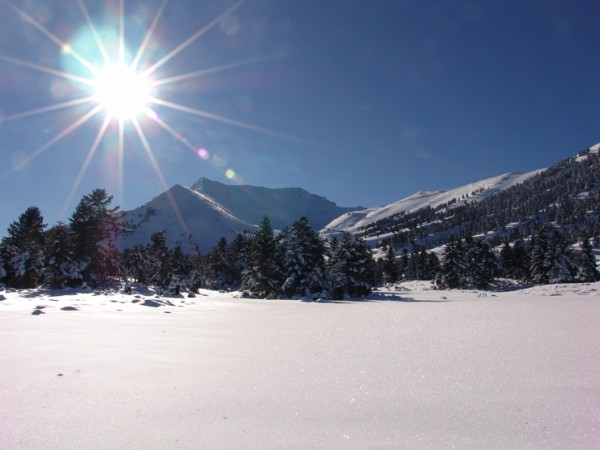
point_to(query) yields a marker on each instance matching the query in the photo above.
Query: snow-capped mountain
(188, 217)
(199, 216)
(283, 206)
(473, 192)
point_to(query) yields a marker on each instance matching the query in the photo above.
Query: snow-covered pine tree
(390, 265)
(262, 277)
(454, 265)
(23, 250)
(239, 249)
(159, 257)
(403, 266)
(351, 268)
(94, 226)
(60, 267)
(432, 266)
(482, 265)
(558, 258)
(303, 263)
(219, 266)
(587, 271)
(537, 258)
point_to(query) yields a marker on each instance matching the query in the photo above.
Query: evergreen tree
(561, 268)
(159, 257)
(481, 264)
(137, 265)
(239, 250)
(403, 266)
(390, 266)
(22, 251)
(537, 259)
(219, 266)
(262, 277)
(303, 263)
(94, 226)
(454, 266)
(433, 266)
(60, 267)
(351, 268)
(587, 271)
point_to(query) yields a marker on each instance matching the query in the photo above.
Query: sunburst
(124, 93)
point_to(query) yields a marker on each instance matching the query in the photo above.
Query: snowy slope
(187, 217)
(472, 192)
(283, 206)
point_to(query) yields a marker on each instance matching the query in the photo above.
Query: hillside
(566, 195)
(355, 221)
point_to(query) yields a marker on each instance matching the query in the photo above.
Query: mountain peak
(283, 206)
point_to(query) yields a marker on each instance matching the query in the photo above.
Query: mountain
(565, 196)
(188, 217)
(283, 206)
(356, 221)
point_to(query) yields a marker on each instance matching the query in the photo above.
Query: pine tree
(303, 263)
(239, 250)
(262, 277)
(433, 266)
(160, 259)
(94, 225)
(561, 267)
(219, 266)
(454, 266)
(60, 266)
(403, 266)
(537, 259)
(23, 250)
(351, 268)
(481, 264)
(587, 271)
(390, 266)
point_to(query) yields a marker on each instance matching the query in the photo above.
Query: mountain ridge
(198, 216)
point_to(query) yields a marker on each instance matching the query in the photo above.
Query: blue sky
(363, 102)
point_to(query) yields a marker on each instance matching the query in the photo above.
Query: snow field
(436, 369)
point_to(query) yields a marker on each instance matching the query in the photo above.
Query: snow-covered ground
(416, 368)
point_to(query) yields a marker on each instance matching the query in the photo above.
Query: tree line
(294, 262)
(547, 258)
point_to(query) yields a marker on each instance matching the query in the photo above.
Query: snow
(352, 221)
(188, 217)
(410, 368)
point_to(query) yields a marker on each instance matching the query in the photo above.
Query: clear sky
(363, 102)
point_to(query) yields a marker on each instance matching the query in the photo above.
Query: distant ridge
(472, 192)
(283, 206)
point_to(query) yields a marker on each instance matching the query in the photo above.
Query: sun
(121, 91)
(129, 87)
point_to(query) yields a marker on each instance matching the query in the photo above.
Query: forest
(541, 231)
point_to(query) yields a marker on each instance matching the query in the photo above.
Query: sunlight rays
(192, 38)
(148, 35)
(85, 165)
(64, 46)
(160, 175)
(94, 32)
(47, 70)
(46, 109)
(104, 91)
